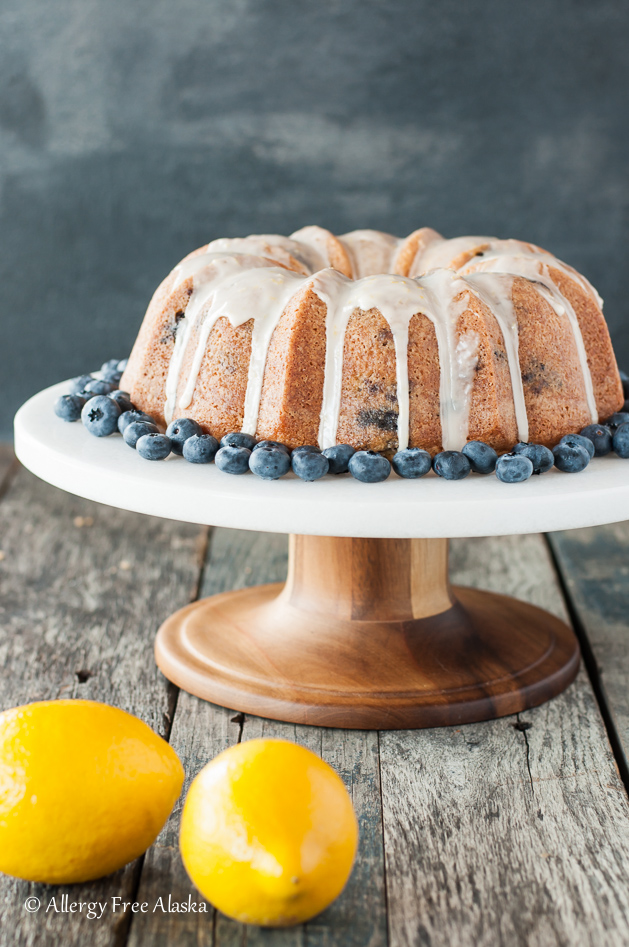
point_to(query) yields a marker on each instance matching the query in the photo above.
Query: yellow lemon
(84, 789)
(268, 833)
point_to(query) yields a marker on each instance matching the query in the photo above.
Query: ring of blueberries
(104, 410)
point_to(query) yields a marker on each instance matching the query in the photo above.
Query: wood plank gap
(385, 891)
(591, 666)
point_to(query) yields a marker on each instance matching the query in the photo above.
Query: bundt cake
(377, 342)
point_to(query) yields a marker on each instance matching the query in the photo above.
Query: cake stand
(367, 631)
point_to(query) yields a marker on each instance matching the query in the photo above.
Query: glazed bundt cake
(378, 342)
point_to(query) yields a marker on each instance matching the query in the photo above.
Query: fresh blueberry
(110, 366)
(123, 399)
(620, 440)
(96, 386)
(451, 465)
(308, 465)
(575, 440)
(200, 449)
(339, 457)
(100, 416)
(571, 458)
(514, 468)
(269, 463)
(232, 459)
(179, 431)
(137, 429)
(238, 439)
(600, 436)
(69, 407)
(127, 417)
(113, 376)
(620, 417)
(153, 446)
(305, 449)
(625, 383)
(78, 384)
(481, 456)
(541, 457)
(122, 364)
(368, 466)
(412, 463)
(275, 444)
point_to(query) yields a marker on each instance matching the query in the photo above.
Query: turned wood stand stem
(368, 633)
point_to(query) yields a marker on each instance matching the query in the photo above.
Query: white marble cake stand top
(106, 470)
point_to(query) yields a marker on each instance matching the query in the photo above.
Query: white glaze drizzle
(236, 279)
(496, 292)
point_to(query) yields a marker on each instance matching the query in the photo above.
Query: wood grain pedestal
(368, 633)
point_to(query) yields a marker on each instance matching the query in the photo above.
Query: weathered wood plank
(239, 559)
(83, 588)
(358, 917)
(200, 730)
(515, 831)
(594, 564)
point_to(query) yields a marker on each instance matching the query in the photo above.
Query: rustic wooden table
(511, 832)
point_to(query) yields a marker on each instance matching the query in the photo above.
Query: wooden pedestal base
(367, 633)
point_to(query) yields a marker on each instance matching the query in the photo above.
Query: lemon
(268, 833)
(84, 789)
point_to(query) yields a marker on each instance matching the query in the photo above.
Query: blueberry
(620, 440)
(112, 375)
(541, 457)
(123, 399)
(78, 384)
(339, 457)
(69, 407)
(137, 429)
(122, 364)
(179, 431)
(110, 366)
(96, 386)
(100, 416)
(305, 449)
(481, 456)
(600, 436)
(153, 446)
(575, 440)
(620, 417)
(368, 466)
(238, 439)
(276, 444)
(451, 465)
(200, 449)
(514, 468)
(308, 465)
(232, 459)
(127, 417)
(269, 463)
(570, 458)
(412, 463)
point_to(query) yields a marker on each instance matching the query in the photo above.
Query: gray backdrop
(132, 131)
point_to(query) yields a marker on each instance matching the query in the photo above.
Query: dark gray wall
(132, 131)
